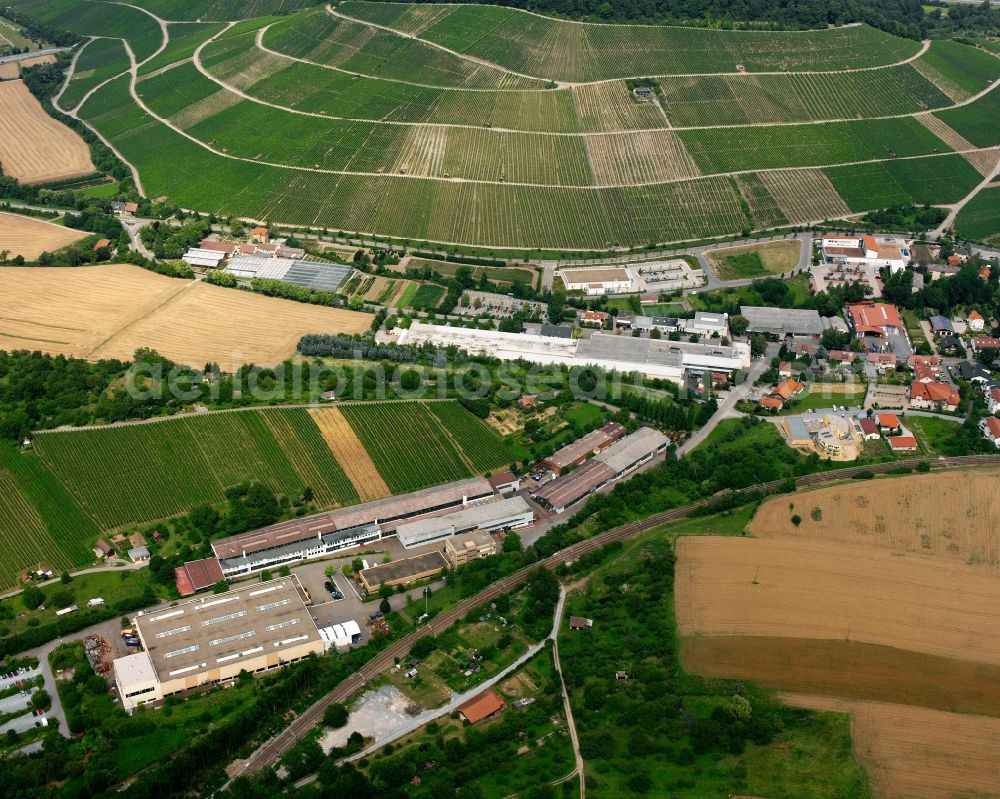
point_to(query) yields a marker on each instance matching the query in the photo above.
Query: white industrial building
(671, 360)
(865, 250)
(595, 280)
(485, 516)
(654, 276)
(341, 636)
(213, 638)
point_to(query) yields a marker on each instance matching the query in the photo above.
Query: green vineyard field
(40, 522)
(980, 219)
(101, 59)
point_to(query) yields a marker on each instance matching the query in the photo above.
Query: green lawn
(101, 190)
(932, 434)
(816, 397)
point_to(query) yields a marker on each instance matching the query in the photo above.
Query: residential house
(625, 320)
(771, 403)
(869, 430)
(785, 369)
(941, 324)
(877, 319)
(580, 623)
(972, 372)
(842, 357)
(483, 707)
(260, 235)
(888, 421)
(992, 399)
(949, 345)
(980, 343)
(131, 208)
(926, 368)
(882, 362)
(985, 272)
(990, 426)
(594, 318)
(102, 549)
(976, 321)
(934, 396)
(781, 394)
(902, 443)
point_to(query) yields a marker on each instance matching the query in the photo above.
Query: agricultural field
(110, 311)
(568, 51)
(11, 69)
(831, 590)
(39, 520)
(465, 135)
(100, 59)
(421, 450)
(980, 219)
(773, 258)
(914, 753)
(35, 148)
(871, 599)
(189, 462)
(949, 516)
(30, 237)
(350, 453)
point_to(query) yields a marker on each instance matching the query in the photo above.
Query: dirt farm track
(35, 148)
(110, 311)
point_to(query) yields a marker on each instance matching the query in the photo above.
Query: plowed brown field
(34, 147)
(830, 590)
(30, 237)
(915, 753)
(847, 669)
(350, 453)
(954, 516)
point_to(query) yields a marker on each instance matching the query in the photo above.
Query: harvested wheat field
(70, 311)
(110, 311)
(847, 669)
(35, 148)
(954, 516)
(915, 753)
(203, 323)
(350, 453)
(30, 237)
(11, 69)
(831, 590)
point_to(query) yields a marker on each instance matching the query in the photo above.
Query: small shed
(580, 623)
(103, 549)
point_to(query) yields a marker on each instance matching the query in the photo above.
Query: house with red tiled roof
(771, 403)
(985, 343)
(888, 421)
(874, 319)
(594, 318)
(788, 389)
(101, 243)
(902, 443)
(482, 707)
(976, 321)
(985, 273)
(993, 400)
(869, 430)
(990, 426)
(934, 396)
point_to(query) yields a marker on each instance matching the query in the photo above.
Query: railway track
(271, 751)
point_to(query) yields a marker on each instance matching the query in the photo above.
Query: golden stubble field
(110, 311)
(350, 453)
(882, 603)
(917, 753)
(34, 147)
(954, 516)
(830, 590)
(30, 237)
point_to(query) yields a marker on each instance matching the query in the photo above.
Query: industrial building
(671, 360)
(309, 274)
(865, 250)
(196, 575)
(782, 322)
(461, 549)
(582, 448)
(615, 462)
(484, 516)
(341, 636)
(213, 638)
(318, 535)
(400, 572)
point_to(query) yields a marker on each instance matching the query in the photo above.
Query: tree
(265, 575)
(384, 606)
(65, 578)
(738, 324)
(32, 597)
(758, 344)
(512, 543)
(335, 715)
(357, 564)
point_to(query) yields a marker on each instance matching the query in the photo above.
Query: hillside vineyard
(490, 126)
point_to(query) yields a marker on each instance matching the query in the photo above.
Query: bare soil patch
(350, 453)
(30, 237)
(915, 753)
(34, 147)
(847, 669)
(776, 257)
(830, 590)
(954, 516)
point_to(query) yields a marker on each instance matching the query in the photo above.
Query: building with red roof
(869, 429)
(888, 421)
(934, 396)
(991, 430)
(482, 707)
(874, 319)
(902, 443)
(196, 575)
